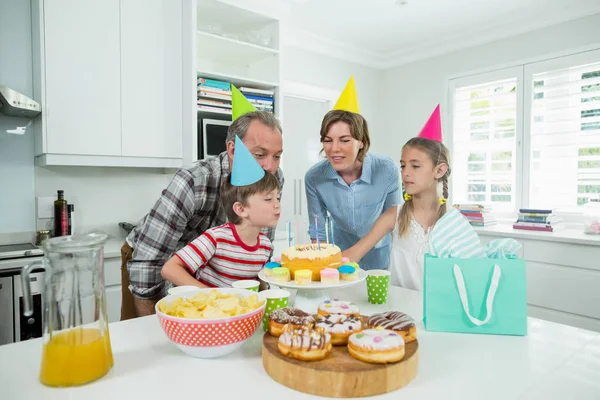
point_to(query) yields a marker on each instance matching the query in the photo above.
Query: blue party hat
(245, 170)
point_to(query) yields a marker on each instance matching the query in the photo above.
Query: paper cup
(276, 298)
(378, 284)
(246, 284)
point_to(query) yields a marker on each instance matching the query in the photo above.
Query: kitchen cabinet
(109, 75)
(562, 280)
(112, 287)
(80, 65)
(151, 78)
(301, 147)
(113, 303)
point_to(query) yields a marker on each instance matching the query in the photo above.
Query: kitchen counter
(112, 247)
(564, 234)
(553, 362)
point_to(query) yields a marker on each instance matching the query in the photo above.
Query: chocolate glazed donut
(293, 316)
(396, 321)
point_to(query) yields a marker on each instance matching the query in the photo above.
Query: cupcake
(330, 276)
(281, 274)
(303, 277)
(270, 266)
(348, 273)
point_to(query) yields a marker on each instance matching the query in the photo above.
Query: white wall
(103, 197)
(327, 72)
(16, 151)
(409, 93)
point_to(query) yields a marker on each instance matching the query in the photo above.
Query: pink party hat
(433, 128)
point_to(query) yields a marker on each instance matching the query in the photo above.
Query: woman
(355, 187)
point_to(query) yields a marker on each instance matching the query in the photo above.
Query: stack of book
(537, 220)
(477, 214)
(214, 96)
(263, 100)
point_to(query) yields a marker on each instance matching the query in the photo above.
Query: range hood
(15, 104)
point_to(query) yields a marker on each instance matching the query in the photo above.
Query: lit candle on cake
(332, 237)
(296, 232)
(289, 233)
(317, 229)
(327, 229)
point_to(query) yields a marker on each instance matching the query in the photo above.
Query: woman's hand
(353, 254)
(384, 224)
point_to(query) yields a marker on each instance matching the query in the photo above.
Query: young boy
(236, 250)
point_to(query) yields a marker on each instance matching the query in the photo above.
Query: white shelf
(236, 44)
(214, 112)
(238, 81)
(231, 50)
(232, 18)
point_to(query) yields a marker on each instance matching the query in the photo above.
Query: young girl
(424, 223)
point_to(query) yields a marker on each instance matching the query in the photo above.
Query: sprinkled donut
(293, 316)
(340, 327)
(337, 306)
(396, 321)
(376, 346)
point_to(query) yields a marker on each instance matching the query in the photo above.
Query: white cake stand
(310, 296)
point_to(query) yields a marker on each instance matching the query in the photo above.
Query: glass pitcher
(76, 343)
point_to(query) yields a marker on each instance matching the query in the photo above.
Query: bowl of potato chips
(210, 323)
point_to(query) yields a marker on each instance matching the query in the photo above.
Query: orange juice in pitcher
(75, 357)
(76, 346)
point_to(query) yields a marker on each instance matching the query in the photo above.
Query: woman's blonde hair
(439, 154)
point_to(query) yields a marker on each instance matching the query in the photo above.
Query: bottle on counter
(61, 215)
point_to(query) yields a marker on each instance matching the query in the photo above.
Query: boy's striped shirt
(218, 257)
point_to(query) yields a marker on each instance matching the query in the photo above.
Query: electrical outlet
(45, 207)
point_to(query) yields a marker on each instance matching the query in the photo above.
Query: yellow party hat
(348, 100)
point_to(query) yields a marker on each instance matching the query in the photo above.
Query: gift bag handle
(489, 301)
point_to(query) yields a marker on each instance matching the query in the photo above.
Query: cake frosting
(337, 306)
(294, 316)
(311, 251)
(377, 339)
(394, 320)
(339, 323)
(305, 338)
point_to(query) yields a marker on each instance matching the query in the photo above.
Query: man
(186, 208)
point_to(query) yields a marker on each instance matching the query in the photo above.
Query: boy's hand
(263, 286)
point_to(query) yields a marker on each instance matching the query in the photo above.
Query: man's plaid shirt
(186, 208)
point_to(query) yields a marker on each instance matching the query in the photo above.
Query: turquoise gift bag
(476, 295)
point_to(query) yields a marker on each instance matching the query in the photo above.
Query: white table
(553, 362)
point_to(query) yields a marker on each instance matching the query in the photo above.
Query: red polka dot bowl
(210, 338)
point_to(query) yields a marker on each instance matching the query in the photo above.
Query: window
(565, 137)
(484, 141)
(528, 136)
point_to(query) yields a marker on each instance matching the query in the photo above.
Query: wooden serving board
(340, 374)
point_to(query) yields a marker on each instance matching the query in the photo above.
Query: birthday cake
(313, 257)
